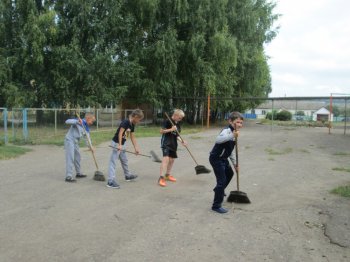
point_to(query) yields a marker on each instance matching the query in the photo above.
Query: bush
(269, 115)
(284, 115)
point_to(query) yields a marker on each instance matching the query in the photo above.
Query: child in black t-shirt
(169, 145)
(126, 128)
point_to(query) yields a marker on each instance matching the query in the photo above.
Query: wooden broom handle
(89, 141)
(236, 149)
(181, 138)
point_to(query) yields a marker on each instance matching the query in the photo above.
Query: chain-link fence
(23, 125)
(35, 124)
(3, 126)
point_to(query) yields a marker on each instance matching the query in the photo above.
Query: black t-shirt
(169, 140)
(128, 126)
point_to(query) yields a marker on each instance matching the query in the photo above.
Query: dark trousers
(224, 173)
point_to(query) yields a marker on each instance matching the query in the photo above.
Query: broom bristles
(154, 157)
(202, 170)
(238, 197)
(99, 176)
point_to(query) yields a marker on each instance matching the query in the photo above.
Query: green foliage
(272, 115)
(92, 52)
(284, 115)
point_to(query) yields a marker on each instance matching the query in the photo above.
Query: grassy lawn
(47, 136)
(9, 151)
(105, 135)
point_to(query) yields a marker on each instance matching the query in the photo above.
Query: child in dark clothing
(222, 150)
(169, 146)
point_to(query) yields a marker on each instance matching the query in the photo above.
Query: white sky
(311, 54)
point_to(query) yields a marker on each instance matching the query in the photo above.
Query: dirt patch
(292, 217)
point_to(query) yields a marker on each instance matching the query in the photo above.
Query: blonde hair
(90, 116)
(137, 113)
(179, 112)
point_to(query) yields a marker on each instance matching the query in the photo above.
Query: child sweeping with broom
(170, 134)
(71, 144)
(222, 150)
(125, 128)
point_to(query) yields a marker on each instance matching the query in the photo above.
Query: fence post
(55, 121)
(272, 115)
(296, 111)
(25, 124)
(5, 126)
(13, 126)
(112, 116)
(97, 118)
(346, 116)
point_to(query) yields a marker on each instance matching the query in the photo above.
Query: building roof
(323, 111)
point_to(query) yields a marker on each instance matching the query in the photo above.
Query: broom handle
(89, 141)
(236, 149)
(129, 151)
(181, 138)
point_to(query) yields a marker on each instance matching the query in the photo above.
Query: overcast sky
(311, 54)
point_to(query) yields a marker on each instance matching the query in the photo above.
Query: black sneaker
(70, 179)
(80, 175)
(220, 210)
(130, 177)
(113, 184)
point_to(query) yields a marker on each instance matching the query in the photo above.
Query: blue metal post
(5, 126)
(25, 125)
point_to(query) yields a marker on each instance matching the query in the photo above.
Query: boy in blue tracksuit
(222, 150)
(79, 128)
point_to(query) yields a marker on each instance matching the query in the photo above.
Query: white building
(322, 115)
(309, 108)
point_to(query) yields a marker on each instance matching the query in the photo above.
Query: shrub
(269, 115)
(284, 115)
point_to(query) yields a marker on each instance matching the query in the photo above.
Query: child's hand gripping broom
(200, 169)
(237, 196)
(98, 176)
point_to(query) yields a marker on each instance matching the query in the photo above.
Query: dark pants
(224, 173)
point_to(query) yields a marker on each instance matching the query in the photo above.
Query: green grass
(341, 169)
(9, 151)
(342, 154)
(271, 151)
(47, 136)
(344, 191)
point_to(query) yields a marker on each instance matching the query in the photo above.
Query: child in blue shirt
(79, 128)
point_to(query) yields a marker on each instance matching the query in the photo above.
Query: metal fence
(30, 124)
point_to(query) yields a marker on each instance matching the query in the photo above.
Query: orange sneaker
(161, 181)
(170, 178)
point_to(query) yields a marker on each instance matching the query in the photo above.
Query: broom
(237, 196)
(98, 176)
(153, 155)
(200, 169)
